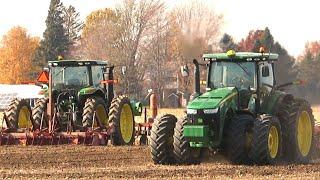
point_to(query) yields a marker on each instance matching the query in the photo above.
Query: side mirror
(265, 71)
(123, 70)
(184, 71)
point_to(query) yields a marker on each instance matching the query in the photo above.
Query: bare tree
(200, 27)
(136, 19)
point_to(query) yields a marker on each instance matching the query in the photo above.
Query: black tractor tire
(18, 111)
(239, 137)
(183, 153)
(98, 105)
(267, 140)
(39, 110)
(120, 111)
(161, 139)
(299, 109)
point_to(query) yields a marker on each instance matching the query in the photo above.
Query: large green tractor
(243, 114)
(78, 97)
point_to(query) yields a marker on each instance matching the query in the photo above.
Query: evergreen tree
(72, 25)
(226, 43)
(55, 40)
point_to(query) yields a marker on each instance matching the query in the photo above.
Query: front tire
(266, 142)
(161, 139)
(183, 153)
(98, 105)
(239, 138)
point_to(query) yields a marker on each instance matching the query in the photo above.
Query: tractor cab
(249, 75)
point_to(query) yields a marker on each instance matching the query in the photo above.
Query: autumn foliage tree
(308, 67)
(17, 51)
(284, 67)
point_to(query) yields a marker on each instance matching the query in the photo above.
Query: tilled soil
(77, 162)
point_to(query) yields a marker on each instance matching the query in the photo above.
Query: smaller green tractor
(78, 97)
(243, 114)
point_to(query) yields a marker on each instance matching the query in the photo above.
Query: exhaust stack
(196, 77)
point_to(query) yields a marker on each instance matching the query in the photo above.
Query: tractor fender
(84, 93)
(246, 112)
(284, 97)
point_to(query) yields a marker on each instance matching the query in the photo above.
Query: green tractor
(243, 114)
(78, 97)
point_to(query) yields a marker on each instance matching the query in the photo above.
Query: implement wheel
(39, 110)
(266, 142)
(161, 139)
(94, 104)
(18, 115)
(183, 153)
(122, 118)
(239, 138)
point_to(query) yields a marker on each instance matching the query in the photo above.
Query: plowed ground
(77, 162)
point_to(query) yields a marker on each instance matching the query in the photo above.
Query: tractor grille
(212, 120)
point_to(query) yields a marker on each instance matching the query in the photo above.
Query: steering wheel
(237, 81)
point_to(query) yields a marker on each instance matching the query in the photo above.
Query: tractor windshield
(70, 77)
(232, 74)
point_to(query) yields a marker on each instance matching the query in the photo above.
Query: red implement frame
(52, 137)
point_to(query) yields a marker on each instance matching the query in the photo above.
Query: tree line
(149, 39)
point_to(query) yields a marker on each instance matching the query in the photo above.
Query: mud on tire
(161, 139)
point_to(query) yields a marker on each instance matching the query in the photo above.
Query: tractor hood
(213, 99)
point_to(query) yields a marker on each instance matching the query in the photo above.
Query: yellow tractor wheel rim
(273, 141)
(126, 123)
(24, 120)
(304, 133)
(101, 113)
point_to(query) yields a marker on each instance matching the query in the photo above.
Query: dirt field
(87, 162)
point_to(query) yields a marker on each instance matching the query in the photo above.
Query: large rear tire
(183, 153)
(122, 118)
(239, 138)
(39, 111)
(299, 131)
(98, 105)
(18, 115)
(161, 139)
(266, 142)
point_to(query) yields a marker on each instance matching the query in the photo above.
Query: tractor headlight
(191, 111)
(210, 111)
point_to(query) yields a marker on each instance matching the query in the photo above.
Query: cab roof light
(231, 53)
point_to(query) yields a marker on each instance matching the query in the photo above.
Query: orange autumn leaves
(17, 50)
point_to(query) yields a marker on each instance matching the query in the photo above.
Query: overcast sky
(292, 22)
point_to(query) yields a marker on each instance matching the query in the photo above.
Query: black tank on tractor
(79, 106)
